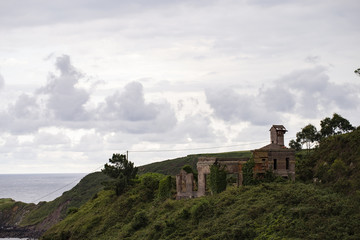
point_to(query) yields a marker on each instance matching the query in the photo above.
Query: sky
(81, 80)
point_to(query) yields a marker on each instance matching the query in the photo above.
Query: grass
(81, 193)
(266, 211)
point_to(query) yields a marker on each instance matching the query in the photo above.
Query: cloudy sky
(80, 80)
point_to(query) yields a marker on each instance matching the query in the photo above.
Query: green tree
(165, 186)
(295, 145)
(217, 178)
(334, 126)
(357, 71)
(248, 173)
(121, 170)
(308, 135)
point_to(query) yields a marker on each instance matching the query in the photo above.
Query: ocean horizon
(33, 188)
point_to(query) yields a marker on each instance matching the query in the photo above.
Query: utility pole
(127, 155)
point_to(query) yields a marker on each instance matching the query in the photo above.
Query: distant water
(33, 188)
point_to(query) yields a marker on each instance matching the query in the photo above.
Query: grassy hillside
(266, 211)
(48, 213)
(172, 167)
(335, 163)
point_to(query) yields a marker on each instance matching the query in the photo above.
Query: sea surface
(33, 188)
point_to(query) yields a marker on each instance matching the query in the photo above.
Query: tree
(295, 145)
(217, 178)
(248, 173)
(121, 170)
(308, 136)
(357, 71)
(165, 186)
(334, 126)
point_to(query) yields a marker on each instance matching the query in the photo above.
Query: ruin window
(287, 163)
(275, 164)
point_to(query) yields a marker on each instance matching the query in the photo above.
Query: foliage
(357, 71)
(189, 169)
(296, 145)
(308, 135)
(140, 220)
(334, 126)
(121, 170)
(217, 178)
(165, 187)
(77, 196)
(265, 211)
(248, 174)
(336, 162)
(304, 167)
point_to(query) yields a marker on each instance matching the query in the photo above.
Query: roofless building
(274, 157)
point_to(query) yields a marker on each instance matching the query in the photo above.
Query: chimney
(277, 134)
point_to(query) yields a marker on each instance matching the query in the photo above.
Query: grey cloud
(130, 105)
(314, 91)
(25, 107)
(61, 103)
(278, 98)
(232, 106)
(128, 111)
(43, 138)
(22, 117)
(18, 13)
(66, 101)
(304, 92)
(312, 59)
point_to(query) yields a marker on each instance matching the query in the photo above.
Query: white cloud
(307, 93)
(174, 74)
(65, 100)
(2, 82)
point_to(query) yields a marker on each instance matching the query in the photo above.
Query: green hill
(266, 211)
(173, 166)
(30, 220)
(321, 204)
(335, 163)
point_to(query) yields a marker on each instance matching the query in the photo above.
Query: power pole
(127, 155)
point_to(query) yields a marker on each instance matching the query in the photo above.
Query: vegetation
(329, 127)
(73, 199)
(172, 167)
(217, 178)
(121, 171)
(265, 211)
(165, 188)
(321, 204)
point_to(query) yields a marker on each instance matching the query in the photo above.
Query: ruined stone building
(273, 157)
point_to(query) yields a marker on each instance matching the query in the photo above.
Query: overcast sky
(80, 80)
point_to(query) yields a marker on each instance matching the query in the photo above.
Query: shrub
(140, 220)
(165, 188)
(217, 178)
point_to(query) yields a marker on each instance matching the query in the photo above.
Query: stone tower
(277, 134)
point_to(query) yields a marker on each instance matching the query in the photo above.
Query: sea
(34, 188)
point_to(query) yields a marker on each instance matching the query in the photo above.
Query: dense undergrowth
(321, 204)
(324, 209)
(334, 163)
(266, 211)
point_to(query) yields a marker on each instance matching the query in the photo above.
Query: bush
(217, 178)
(140, 220)
(165, 188)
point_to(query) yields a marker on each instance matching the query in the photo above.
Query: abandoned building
(273, 157)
